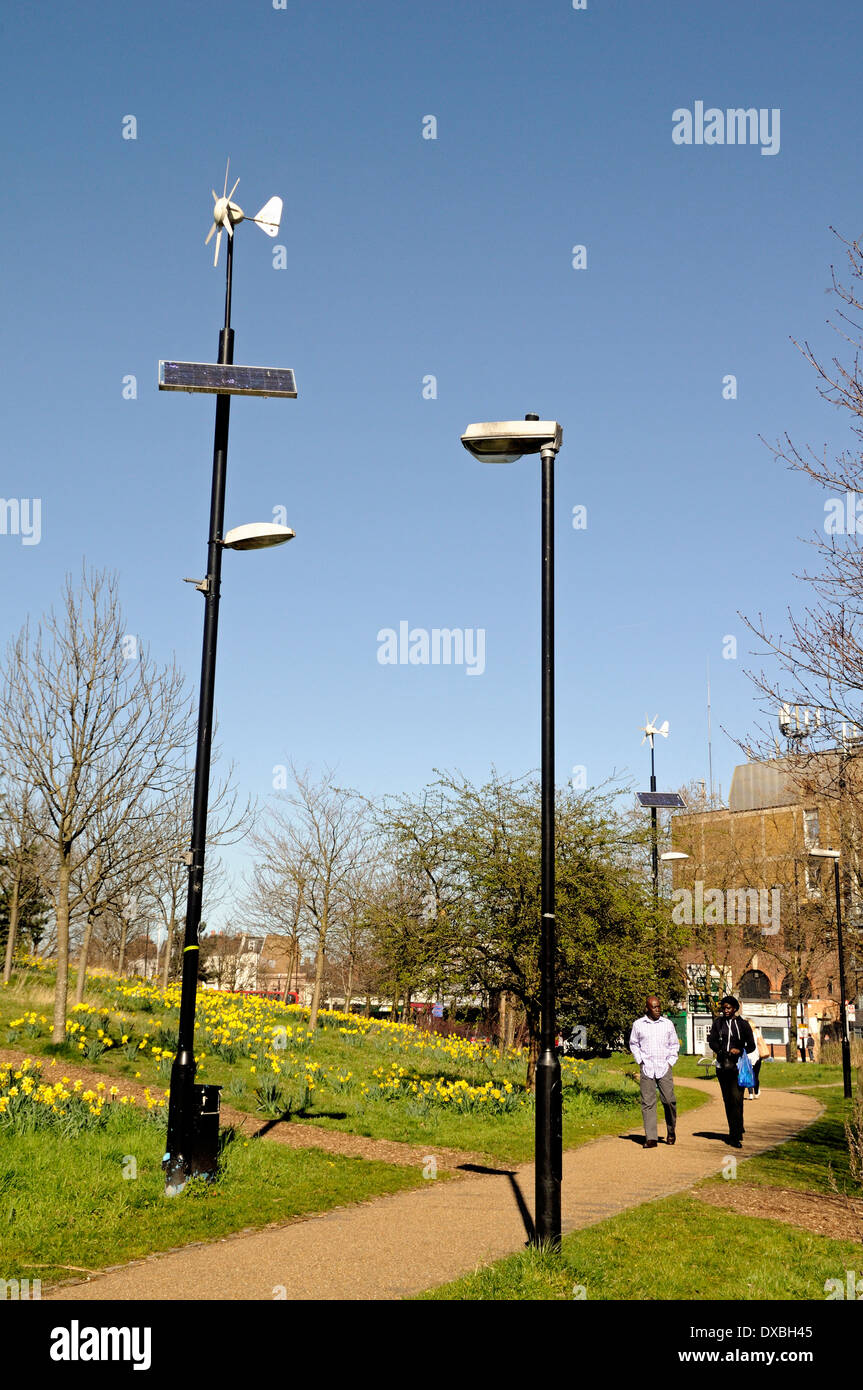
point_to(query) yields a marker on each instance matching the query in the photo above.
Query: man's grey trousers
(648, 1102)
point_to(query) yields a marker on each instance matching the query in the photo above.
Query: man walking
(729, 1038)
(654, 1044)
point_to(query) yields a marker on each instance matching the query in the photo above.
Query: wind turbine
(650, 728)
(226, 215)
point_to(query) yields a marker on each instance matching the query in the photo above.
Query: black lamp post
(192, 1140)
(834, 854)
(504, 441)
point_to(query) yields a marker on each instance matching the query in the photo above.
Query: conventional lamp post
(193, 1111)
(834, 854)
(504, 441)
(673, 856)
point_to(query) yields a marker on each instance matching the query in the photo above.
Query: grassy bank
(378, 1079)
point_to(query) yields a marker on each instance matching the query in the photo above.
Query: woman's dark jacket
(725, 1034)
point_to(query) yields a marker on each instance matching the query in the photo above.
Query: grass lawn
(98, 1199)
(674, 1249)
(382, 1080)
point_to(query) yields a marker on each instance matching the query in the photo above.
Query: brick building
(762, 910)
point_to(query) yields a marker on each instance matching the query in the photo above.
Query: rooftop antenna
(709, 736)
(797, 722)
(226, 215)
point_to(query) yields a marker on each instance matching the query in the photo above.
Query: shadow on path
(523, 1209)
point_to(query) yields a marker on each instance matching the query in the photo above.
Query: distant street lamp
(650, 729)
(504, 441)
(834, 854)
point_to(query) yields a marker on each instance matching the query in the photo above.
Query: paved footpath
(401, 1245)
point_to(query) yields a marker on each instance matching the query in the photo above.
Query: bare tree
(314, 842)
(818, 662)
(166, 876)
(354, 947)
(275, 899)
(96, 729)
(23, 867)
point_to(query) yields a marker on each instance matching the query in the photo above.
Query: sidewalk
(401, 1245)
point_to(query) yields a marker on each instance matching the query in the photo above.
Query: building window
(810, 828)
(786, 989)
(829, 986)
(813, 878)
(754, 984)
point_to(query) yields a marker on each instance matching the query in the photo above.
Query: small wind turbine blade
(663, 729)
(210, 235)
(233, 190)
(227, 224)
(227, 167)
(218, 244)
(270, 216)
(215, 195)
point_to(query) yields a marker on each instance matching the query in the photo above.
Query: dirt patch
(840, 1218)
(295, 1136)
(15, 1056)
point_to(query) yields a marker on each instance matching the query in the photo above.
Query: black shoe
(671, 1137)
(650, 1143)
(734, 1144)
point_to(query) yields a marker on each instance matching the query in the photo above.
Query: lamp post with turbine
(504, 441)
(192, 1140)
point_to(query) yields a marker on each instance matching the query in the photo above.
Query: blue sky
(409, 257)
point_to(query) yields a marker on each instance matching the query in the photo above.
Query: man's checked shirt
(654, 1044)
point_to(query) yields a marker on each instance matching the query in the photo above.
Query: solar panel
(662, 800)
(225, 379)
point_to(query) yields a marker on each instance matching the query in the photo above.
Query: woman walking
(729, 1038)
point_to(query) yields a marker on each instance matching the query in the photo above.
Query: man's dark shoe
(671, 1137)
(650, 1143)
(735, 1144)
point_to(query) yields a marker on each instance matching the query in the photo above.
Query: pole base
(176, 1172)
(549, 1150)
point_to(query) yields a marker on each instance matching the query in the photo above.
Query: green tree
(480, 847)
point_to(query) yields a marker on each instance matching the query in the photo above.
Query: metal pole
(654, 839)
(549, 1107)
(846, 1049)
(183, 1069)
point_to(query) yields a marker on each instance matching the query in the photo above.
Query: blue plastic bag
(745, 1074)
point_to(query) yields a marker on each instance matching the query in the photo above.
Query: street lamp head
(673, 854)
(504, 441)
(257, 535)
(824, 854)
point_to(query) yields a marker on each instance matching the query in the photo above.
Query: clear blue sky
(409, 257)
